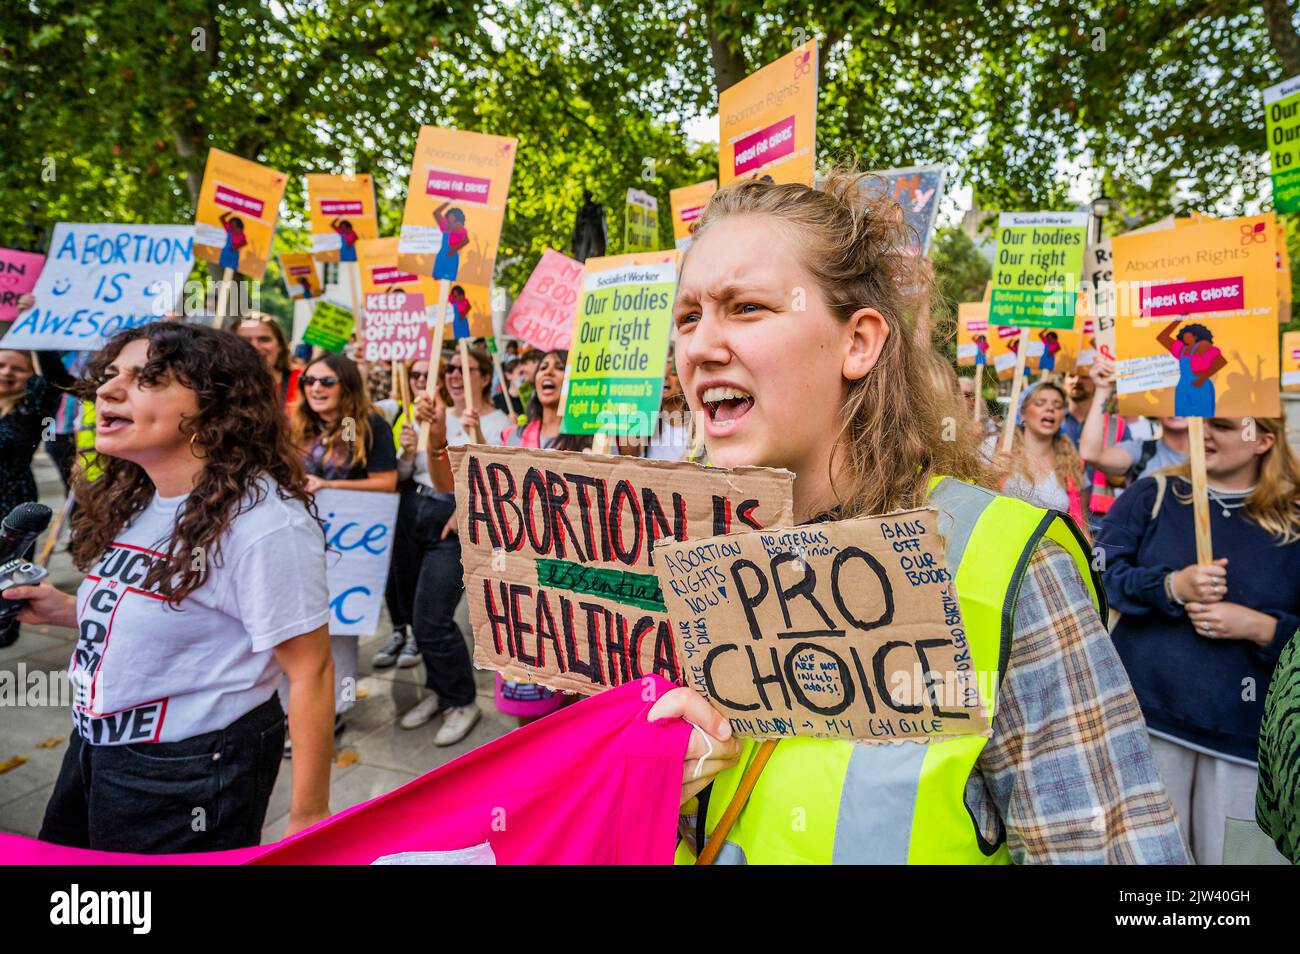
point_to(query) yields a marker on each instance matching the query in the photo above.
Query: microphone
(19, 530)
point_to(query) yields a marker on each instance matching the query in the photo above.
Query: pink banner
(592, 784)
(300, 269)
(18, 274)
(1190, 298)
(543, 313)
(977, 327)
(1008, 331)
(390, 275)
(453, 185)
(238, 201)
(764, 146)
(691, 214)
(340, 207)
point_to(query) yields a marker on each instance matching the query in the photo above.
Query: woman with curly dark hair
(185, 619)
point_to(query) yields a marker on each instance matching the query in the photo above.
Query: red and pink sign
(764, 146)
(18, 274)
(1007, 331)
(543, 313)
(340, 207)
(691, 214)
(1189, 298)
(300, 269)
(396, 327)
(390, 275)
(453, 185)
(238, 201)
(977, 327)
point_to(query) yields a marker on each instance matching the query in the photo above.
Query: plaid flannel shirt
(1068, 771)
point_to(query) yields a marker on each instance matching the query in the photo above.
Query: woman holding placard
(346, 444)
(1200, 642)
(178, 728)
(795, 315)
(265, 334)
(467, 394)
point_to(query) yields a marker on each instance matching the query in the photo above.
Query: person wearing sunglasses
(469, 403)
(345, 444)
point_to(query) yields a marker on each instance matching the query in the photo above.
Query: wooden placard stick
(1200, 490)
(476, 432)
(52, 535)
(716, 840)
(505, 385)
(1017, 385)
(223, 296)
(979, 392)
(435, 357)
(354, 285)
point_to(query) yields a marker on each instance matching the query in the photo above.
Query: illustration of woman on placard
(1051, 344)
(236, 240)
(454, 238)
(306, 287)
(1198, 361)
(981, 350)
(459, 312)
(347, 239)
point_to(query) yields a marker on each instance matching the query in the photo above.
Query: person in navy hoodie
(1200, 642)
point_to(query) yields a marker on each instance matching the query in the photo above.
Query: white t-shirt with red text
(145, 672)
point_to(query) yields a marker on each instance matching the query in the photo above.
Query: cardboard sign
(1291, 361)
(234, 224)
(101, 279)
(559, 555)
(847, 630)
(359, 535)
(1195, 319)
(543, 313)
(18, 274)
(342, 210)
(451, 226)
(1004, 341)
(769, 121)
(640, 222)
(1037, 268)
(1282, 121)
(919, 190)
(688, 205)
(620, 345)
(1099, 295)
(300, 277)
(330, 327)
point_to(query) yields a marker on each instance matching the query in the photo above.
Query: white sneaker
(410, 654)
(456, 724)
(423, 711)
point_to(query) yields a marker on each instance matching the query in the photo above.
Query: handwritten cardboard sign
(559, 555)
(451, 223)
(359, 534)
(543, 313)
(1282, 121)
(101, 279)
(330, 326)
(398, 306)
(1195, 319)
(342, 210)
(620, 345)
(18, 274)
(847, 630)
(687, 204)
(234, 222)
(1037, 268)
(769, 121)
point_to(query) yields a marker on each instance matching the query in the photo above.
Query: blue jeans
(151, 798)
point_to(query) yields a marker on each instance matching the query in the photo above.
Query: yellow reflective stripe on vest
(398, 423)
(821, 801)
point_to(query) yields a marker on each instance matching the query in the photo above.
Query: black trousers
(206, 793)
(430, 584)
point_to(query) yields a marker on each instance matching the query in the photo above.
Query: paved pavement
(374, 755)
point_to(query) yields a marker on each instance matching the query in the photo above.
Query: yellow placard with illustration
(300, 277)
(688, 205)
(342, 210)
(451, 226)
(1291, 361)
(1196, 319)
(769, 121)
(234, 223)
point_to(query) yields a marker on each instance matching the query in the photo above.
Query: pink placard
(543, 313)
(1191, 298)
(766, 145)
(340, 207)
(396, 328)
(18, 274)
(238, 201)
(453, 185)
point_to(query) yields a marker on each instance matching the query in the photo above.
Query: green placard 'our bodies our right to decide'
(1037, 268)
(1282, 120)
